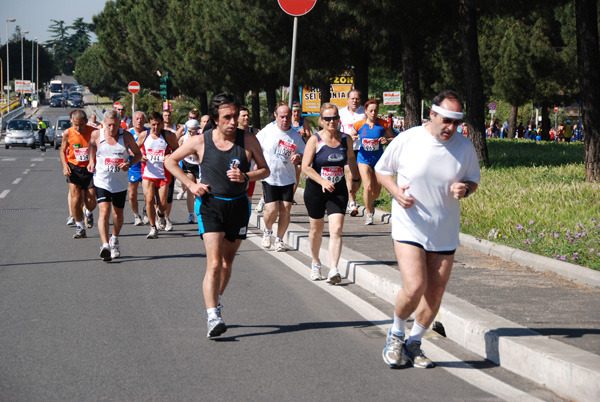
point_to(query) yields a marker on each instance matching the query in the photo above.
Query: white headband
(447, 113)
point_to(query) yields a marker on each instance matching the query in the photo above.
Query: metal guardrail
(13, 114)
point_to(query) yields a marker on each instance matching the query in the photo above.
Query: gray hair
(140, 112)
(112, 114)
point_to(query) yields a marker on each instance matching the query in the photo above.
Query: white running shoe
(315, 271)
(161, 222)
(70, 220)
(369, 219)
(153, 233)
(352, 209)
(168, 225)
(137, 221)
(145, 218)
(279, 246)
(114, 248)
(334, 276)
(266, 240)
(180, 195)
(261, 205)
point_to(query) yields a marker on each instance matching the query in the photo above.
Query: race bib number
(370, 144)
(334, 174)
(155, 155)
(285, 149)
(112, 164)
(81, 154)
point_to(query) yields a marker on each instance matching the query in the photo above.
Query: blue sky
(35, 15)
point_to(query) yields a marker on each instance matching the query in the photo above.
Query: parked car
(62, 123)
(20, 132)
(75, 101)
(56, 101)
(49, 138)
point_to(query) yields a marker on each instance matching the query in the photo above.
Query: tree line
(519, 52)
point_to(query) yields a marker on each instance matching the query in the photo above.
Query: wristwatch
(246, 177)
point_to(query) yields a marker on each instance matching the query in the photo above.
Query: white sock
(399, 326)
(104, 245)
(113, 238)
(277, 239)
(212, 312)
(79, 224)
(416, 333)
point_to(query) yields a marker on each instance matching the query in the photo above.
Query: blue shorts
(134, 175)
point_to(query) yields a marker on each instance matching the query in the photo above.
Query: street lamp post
(37, 73)
(22, 73)
(32, 54)
(8, 65)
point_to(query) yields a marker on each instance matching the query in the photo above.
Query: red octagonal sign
(297, 8)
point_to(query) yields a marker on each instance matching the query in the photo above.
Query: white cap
(192, 123)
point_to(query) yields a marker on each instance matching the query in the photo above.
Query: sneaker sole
(105, 254)
(80, 237)
(335, 279)
(217, 331)
(408, 360)
(354, 213)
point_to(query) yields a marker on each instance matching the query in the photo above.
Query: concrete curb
(564, 369)
(579, 274)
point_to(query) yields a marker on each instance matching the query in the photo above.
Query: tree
(588, 63)
(91, 71)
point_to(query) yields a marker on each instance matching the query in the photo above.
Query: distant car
(75, 101)
(62, 123)
(20, 132)
(56, 101)
(49, 138)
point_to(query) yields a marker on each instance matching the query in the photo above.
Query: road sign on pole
(134, 87)
(492, 106)
(295, 8)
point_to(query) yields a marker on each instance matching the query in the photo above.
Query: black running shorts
(227, 215)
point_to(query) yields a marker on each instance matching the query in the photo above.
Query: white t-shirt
(429, 167)
(278, 147)
(347, 120)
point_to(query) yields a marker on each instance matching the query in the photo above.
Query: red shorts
(251, 187)
(160, 182)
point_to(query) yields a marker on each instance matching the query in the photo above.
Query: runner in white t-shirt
(349, 115)
(282, 148)
(435, 169)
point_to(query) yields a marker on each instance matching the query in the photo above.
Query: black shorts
(412, 243)
(317, 201)
(190, 168)
(80, 177)
(278, 193)
(227, 215)
(117, 199)
(171, 190)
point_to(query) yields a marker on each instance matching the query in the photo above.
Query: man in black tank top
(222, 206)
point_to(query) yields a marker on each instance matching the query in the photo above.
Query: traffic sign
(134, 87)
(492, 106)
(297, 8)
(391, 98)
(555, 109)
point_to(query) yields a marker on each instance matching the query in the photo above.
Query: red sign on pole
(297, 8)
(134, 87)
(555, 109)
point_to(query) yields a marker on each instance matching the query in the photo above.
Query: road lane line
(33, 164)
(26, 171)
(17, 180)
(4, 193)
(458, 368)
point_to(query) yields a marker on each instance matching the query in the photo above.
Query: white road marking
(460, 369)
(4, 193)
(33, 164)
(8, 159)
(37, 160)
(26, 171)
(17, 180)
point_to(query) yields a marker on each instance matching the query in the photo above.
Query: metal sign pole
(293, 61)
(132, 105)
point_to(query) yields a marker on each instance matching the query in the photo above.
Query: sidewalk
(539, 325)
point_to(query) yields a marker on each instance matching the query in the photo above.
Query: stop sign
(296, 8)
(134, 87)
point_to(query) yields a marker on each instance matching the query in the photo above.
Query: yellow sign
(340, 86)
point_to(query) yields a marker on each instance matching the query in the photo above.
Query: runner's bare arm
(352, 166)
(133, 149)
(92, 147)
(262, 170)
(63, 153)
(194, 145)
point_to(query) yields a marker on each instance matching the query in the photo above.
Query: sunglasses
(448, 121)
(332, 118)
(120, 110)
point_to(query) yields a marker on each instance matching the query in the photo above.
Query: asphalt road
(74, 328)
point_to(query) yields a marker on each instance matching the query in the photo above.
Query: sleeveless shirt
(108, 175)
(215, 164)
(329, 161)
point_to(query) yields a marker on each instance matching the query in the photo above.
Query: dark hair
(244, 108)
(78, 115)
(354, 90)
(446, 94)
(225, 98)
(195, 112)
(156, 116)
